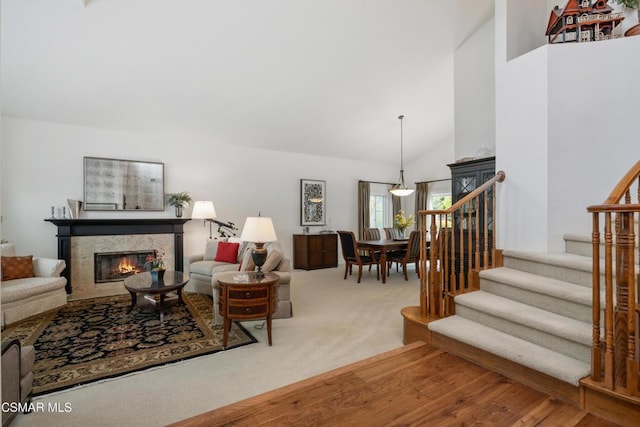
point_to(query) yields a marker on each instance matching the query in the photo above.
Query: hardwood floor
(413, 385)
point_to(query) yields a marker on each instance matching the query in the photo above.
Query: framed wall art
(116, 185)
(313, 202)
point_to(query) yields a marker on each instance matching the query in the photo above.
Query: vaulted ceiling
(323, 77)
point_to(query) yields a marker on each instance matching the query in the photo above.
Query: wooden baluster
(424, 294)
(434, 265)
(443, 256)
(625, 308)
(608, 314)
(636, 313)
(446, 275)
(485, 240)
(623, 294)
(455, 268)
(495, 229)
(465, 269)
(632, 361)
(471, 220)
(477, 250)
(596, 348)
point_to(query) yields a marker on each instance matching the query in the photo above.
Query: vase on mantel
(178, 211)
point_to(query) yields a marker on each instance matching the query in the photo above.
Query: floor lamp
(204, 210)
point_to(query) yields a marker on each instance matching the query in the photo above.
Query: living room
(502, 87)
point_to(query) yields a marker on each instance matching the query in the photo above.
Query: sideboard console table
(312, 251)
(68, 228)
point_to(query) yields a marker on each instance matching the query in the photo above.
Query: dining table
(383, 246)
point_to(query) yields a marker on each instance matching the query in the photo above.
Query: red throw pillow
(227, 252)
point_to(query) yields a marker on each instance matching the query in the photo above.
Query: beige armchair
(17, 379)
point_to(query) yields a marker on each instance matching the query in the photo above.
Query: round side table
(246, 296)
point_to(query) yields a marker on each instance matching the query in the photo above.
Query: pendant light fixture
(401, 189)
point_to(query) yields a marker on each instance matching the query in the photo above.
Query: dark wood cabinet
(466, 177)
(312, 251)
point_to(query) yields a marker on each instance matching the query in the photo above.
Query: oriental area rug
(93, 339)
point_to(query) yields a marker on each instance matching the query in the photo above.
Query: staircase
(531, 320)
(535, 311)
(567, 324)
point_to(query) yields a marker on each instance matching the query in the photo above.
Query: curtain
(422, 199)
(364, 193)
(396, 205)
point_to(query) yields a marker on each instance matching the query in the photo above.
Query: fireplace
(116, 266)
(87, 236)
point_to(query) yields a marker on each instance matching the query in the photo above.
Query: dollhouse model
(583, 21)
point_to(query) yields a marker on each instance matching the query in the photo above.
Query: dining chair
(411, 255)
(372, 234)
(391, 233)
(352, 256)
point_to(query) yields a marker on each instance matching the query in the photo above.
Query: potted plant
(402, 223)
(631, 4)
(154, 261)
(179, 201)
(154, 264)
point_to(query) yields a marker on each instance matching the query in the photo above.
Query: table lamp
(259, 230)
(204, 210)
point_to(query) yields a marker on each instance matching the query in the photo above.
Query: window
(440, 201)
(380, 209)
(377, 210)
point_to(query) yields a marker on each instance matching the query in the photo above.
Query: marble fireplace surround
(79, 239)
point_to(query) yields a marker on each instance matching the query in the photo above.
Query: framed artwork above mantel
(313, 202)
(122, 185)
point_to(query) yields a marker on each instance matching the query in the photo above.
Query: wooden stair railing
(462, 241)
(617, 368)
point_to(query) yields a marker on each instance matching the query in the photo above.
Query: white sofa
(25, 297)
(203, 272)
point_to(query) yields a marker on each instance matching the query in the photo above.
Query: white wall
(474, 80)
(566, 131)
(526, 25)
(593, 127)
(42, 166)
(521, 151)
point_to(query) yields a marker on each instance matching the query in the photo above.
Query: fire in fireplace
(116, 266)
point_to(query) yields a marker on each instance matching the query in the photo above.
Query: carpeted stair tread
(517, 350)
(527, 315)
(559, 259)
(576, 262)
(540, 284)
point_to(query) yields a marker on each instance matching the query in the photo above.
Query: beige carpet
(335, 322)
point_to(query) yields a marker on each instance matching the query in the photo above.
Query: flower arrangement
(178, 200)
(154, 261)
(402, 223)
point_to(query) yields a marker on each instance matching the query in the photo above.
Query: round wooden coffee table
(146, 293)
(245, 296)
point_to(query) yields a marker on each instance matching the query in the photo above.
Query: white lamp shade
(258, 229)
(203, 209)
(401, 191)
